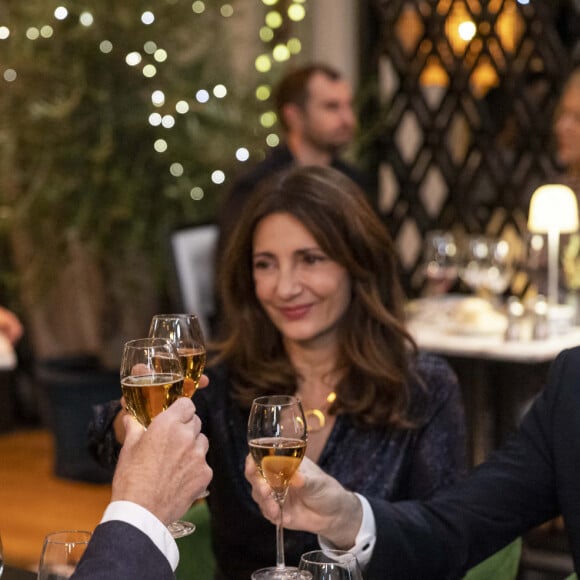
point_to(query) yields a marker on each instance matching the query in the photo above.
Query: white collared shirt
(136, 515)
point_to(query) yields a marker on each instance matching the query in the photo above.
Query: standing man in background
(314, 105)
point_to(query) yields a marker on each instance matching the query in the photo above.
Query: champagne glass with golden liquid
(277, 439)
(184, 331)
(152, 379)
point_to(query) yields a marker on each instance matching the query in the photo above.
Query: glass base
(180, 529)
(273, 573)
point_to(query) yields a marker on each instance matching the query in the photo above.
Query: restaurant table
(11, 573)
(499, 378)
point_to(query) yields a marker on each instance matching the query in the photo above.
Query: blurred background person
(313, 307)
(314, 105)
(567, 131)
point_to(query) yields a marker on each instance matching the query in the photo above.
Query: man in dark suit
(314, 105)
(533, 478)
(160, 473)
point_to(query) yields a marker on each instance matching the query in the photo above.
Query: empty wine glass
(277, 439)
(152, 379)
(329, 565)
(489, 264)
(476, 262)
(440, 264)
(61, 552)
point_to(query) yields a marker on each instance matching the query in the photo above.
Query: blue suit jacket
(119, 551)
(532, 479)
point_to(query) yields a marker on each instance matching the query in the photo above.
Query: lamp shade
(553, 207)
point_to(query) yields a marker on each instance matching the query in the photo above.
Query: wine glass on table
(184, 331)
(277, 439)
(329, 565)
(61, 552)
(152, 379)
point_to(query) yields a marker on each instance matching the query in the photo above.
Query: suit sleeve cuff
(136, 515)
(365, 539)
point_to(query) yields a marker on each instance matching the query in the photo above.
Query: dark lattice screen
(466, 123)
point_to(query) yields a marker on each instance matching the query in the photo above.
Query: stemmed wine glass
(152, 379)
(329, 565)
(440, 260)
(184, 331)
(277, 440)
(489, 264)
(61, 552)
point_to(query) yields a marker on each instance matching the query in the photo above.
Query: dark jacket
(530, 480)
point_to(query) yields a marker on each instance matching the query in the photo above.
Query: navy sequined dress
(381, 462)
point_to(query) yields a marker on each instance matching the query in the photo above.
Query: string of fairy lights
(277, 48)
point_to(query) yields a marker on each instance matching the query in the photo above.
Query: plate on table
(457, 314)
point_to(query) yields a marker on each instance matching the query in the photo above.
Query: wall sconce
(553, 211)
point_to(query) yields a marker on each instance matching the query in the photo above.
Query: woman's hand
(315, 503)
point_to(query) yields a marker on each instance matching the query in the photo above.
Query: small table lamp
(553, 211)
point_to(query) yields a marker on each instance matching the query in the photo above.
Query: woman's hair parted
(373, 341)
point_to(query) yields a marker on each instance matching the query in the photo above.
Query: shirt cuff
(136, 515)
(364, 543)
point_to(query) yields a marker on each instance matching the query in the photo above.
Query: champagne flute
(184, 331)
(277, 440)
(329, 565)
(61, 552)
(152, 379)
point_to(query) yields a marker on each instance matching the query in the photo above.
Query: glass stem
(280, 565)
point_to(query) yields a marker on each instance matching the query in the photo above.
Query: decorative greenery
(76, 140)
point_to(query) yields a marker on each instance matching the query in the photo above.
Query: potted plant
(115, 123)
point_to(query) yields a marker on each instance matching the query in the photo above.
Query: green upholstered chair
(196, 561)
(503, 565)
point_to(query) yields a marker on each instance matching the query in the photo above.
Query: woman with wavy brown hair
(312, 306)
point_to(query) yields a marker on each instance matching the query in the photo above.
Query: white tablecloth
(429, 324)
